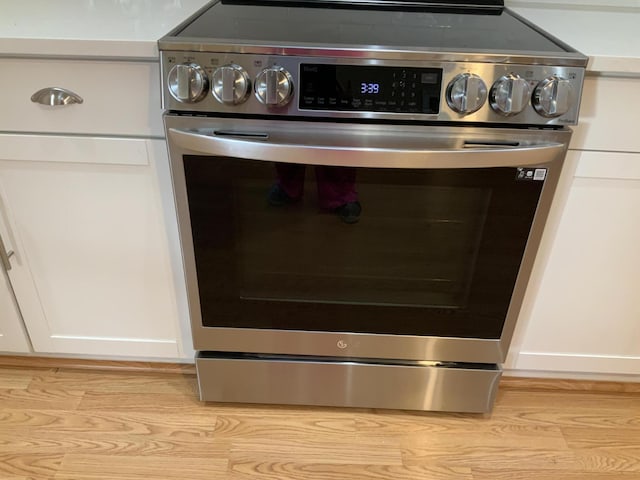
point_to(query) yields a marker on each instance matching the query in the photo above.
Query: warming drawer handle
(484, 156)
(56, 96)
(5, 256)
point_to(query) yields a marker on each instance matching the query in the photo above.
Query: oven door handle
(465, 154)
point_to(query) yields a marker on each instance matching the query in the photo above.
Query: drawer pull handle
(55, 96)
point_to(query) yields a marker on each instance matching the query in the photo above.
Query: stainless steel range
(361, 190)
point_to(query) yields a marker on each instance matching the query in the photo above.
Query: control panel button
(231, 84)
(274, 87)
(188, 82)
(466, 93)
(552, 97)
(510, 95)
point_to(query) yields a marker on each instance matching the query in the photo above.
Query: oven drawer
(329, 382)
(118, 98)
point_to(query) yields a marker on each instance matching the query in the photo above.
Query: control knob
(552, 97)
(466, 93)
(231, 84)
(188, 82)
(274, 86)
(510, 95)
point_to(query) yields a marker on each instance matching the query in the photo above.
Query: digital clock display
(370, 88)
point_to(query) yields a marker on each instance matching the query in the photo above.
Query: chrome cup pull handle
(5, 256)
(55, 96)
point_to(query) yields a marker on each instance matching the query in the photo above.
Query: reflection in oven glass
(414, 245)
(336, 189)
(431, 251)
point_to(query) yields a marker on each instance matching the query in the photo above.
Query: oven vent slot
(489, 143)
(235, 133)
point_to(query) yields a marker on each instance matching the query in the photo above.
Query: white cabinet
(84, 204)
(586, 312)
(91, 270)
(581, 313)
(608, 115)
(118, 98)
(12, 335)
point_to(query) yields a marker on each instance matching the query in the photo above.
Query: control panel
(373, 89)
(366, 88)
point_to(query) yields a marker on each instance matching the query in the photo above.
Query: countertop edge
(612, 66)
(147, 51)
(602, 62)
(142, 50)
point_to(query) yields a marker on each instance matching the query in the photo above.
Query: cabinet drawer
(119, 98)
(609, 116)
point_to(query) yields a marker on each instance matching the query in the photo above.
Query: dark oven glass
(433, 252)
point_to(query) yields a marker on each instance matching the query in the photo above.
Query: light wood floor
(66, 424)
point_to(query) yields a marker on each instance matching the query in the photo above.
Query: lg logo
(342, 344)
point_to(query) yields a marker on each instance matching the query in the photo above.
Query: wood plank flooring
(69, 424)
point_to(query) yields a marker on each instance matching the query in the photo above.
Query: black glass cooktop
(470, 29)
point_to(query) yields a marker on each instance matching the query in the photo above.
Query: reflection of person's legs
(336, 186)
(337, 191)
(289, 185)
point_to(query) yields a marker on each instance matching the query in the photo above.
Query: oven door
(434, 267)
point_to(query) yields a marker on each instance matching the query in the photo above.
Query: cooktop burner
(410, 26)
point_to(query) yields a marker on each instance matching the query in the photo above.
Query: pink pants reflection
(336, 185)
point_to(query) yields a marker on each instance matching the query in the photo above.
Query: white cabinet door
(92, 272)
(12, 334)
(586, 314)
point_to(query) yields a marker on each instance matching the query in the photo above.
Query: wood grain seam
(63, 363)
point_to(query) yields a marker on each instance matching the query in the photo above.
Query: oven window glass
(390, 251)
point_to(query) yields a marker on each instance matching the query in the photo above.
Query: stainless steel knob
(466, 93)
(231, 84)
(188, 82)
(510, 95)
(552, 97)
(274, 86)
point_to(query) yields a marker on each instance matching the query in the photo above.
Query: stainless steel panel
(349, 344)
(341, 344)
(407, 372)
(372, 151)
(366, 52)
(284, 380)
(172, 41)
(489, 72)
